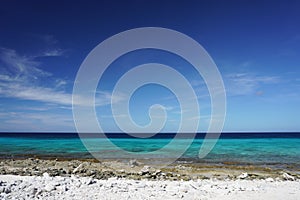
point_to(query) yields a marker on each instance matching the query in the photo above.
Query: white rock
(77, 168)
(78, 184)
(269, 179)
(243, 175)
(112, 179)
(140, 185)
(62, 188)
(2, 189)
(89, 181)
(73, 177)
(145, 169)
(286, 176)
(49, 187)
(46, 175)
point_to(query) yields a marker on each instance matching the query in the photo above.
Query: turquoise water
(254, 150)
(261, 149)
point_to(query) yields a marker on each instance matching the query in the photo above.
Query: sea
(268, 149)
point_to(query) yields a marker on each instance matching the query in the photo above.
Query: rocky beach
(35, 178)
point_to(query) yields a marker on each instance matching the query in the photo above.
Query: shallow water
(263, 148)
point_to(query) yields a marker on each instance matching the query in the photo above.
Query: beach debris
(288, 177)
(243, 175)
(193, 186)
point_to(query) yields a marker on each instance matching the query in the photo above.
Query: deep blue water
(254, 148)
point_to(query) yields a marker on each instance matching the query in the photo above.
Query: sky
(255, 45)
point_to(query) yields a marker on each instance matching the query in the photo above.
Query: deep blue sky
(255, 45)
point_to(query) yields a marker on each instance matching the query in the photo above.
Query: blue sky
(255, 45)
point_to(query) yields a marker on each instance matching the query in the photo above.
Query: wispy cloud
(22, 78)
(16, 67)
(20, 121)
(53, 52)
(246, 83)
(48, 45)
(36, 93)
(103, 98)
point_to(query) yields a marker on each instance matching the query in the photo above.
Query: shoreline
(140, 169)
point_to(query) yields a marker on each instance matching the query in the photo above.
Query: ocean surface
(242, 148)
